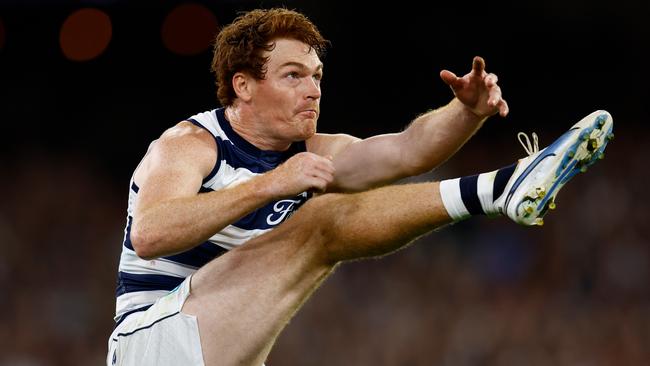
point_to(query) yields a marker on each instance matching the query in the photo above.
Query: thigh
(243, 299)
(161, 335)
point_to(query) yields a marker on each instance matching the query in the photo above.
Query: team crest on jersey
(283, 209)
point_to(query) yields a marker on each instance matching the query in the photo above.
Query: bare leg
(244, 299)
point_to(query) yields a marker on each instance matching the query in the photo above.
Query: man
(203, 278)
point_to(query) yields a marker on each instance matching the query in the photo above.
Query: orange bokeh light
(85, 34)
(189, 29)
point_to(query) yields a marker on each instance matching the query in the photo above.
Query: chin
(309, 130)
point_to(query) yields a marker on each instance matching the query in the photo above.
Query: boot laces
(525, 142)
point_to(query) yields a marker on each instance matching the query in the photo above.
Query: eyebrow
(300, 65)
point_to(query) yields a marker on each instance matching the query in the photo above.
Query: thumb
(448, 77)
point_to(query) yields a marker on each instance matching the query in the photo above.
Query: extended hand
(302, 172)
(477, 90)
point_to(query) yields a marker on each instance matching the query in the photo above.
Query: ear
(243, 86)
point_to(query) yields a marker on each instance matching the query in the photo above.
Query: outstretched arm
(428, 141)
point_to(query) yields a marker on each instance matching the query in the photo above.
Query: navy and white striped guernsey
(141, 282)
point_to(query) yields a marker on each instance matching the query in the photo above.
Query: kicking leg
(244, 298)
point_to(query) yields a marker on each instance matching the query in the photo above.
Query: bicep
(173, 168)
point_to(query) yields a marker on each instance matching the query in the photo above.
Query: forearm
(176, 225)
(435, 136)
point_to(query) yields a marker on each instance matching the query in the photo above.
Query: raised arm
(427, 142)
(171, 216)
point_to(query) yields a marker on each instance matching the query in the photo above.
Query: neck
(253, 130)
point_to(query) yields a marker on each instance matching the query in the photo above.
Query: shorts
(160, 335)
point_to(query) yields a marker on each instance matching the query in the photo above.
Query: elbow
(416, 162)
(144, 242)
(412, 167)
(411, 170)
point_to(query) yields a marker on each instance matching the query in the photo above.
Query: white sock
(475, 195)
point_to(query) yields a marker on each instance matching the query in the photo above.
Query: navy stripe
(270, 157)
(129, 282)
(146, 327)
(272, 214)
(205, 189)
(469, 194)
(547, 152)
(199, 255)
(501, 180)
(196, 257)
(261, 162)
(127, 233)
(238, 158)
(135, 187)
(196, 123)
(525, 173)
(217, 165)
(121, 319)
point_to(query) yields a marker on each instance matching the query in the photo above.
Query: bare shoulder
(184, 144)
(325, 144)
(187, 136)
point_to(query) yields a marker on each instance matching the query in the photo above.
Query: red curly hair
(240, 46)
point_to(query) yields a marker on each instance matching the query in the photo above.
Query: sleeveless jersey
(141, 282)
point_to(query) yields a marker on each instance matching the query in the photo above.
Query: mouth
(311, 113)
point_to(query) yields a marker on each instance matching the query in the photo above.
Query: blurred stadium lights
(189, 29)
(85, 34)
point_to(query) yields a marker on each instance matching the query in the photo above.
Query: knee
(322, 212)
(320, 221)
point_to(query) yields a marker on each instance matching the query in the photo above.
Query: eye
(318, 77)
(293, 75)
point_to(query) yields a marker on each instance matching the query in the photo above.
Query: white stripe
(217, 125)
(131, 263)
(228, 177)
(451, 198)
(132, 197)
(209, 121)
(485, 188)
(239, 233)
(133, 300)
(232, 237)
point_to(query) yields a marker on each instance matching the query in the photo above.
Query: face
(287, 101)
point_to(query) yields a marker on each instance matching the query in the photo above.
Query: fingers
(478, 90)
(318, 171)
(494, 96)
(303, 172)
(491, 80)
(503, 108)
(495, 100)
(320, 183)
(478, 65)
(319, 177)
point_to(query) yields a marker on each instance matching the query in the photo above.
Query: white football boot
(531, 190)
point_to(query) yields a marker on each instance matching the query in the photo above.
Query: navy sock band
(502, 178)
(469, 194)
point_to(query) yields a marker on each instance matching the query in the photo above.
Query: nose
(313, 89)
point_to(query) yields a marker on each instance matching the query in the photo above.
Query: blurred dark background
(86, 85)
